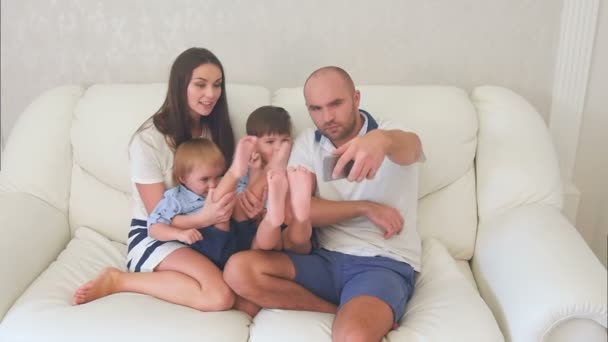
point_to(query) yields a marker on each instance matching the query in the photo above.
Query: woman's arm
(150, 194)
(213, 212)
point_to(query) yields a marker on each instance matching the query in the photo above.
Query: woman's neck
(196, 129)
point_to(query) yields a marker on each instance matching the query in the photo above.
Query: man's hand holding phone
(360, 158)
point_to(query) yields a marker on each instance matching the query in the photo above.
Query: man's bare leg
(185, 277)
(363, 318)
(246, 306)
(266, 279)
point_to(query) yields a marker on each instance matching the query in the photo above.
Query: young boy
(277, 229)
(197, 168)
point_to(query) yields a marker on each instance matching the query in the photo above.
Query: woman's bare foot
(277, 191)
(300, 188)
(103, 285)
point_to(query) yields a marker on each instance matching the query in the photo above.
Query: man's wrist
(386, 141)
(363, 208)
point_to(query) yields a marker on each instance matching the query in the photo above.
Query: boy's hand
(251, 204)
(189, 236)
(255, 161)
(384, 217)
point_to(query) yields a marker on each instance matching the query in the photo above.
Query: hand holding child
(189, 236)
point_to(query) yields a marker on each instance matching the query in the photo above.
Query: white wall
(276, 43)
(591, 172)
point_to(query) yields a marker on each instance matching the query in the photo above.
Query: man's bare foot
(280, 157)
(103, 285)
(300, 188)
(277, 191)
(242, 156)
(246, 306)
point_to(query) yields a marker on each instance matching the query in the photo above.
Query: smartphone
(329, 164)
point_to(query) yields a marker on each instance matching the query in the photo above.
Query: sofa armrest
(516, 163)
(537, 274)
(33, 234)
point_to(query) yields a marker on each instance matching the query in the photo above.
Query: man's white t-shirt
(394, 185)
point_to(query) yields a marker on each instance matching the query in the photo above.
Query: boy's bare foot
(277, 191)
(300, 187)
(242, 155)
(103, 285)
(280, 157)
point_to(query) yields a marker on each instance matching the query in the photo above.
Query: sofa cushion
(101, 189)
(38, 142)
(445, 307)
(44, 312)
(446, 121)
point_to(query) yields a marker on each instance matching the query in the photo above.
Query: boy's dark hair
(268, 120)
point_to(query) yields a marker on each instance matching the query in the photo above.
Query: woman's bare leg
(185, 277)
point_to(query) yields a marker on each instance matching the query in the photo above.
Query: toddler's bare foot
(300, 187)
(103, 285)
(277, 190)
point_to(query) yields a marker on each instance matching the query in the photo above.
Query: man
(363, 269)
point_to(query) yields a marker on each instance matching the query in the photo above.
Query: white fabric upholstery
(31, 240)
(65, 196)
(40, 140)
(536, 272)
(436, 312)
(123, 317)
(516, 162)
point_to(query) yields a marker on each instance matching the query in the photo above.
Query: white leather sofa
(500, 261)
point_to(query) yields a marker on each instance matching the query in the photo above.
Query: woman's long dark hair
(173, 117)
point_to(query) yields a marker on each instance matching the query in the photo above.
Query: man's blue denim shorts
(338, 277)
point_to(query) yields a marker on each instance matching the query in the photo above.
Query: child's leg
(268, 235)
(296, 237)
(254, 193)
(217, 245)
(185, 277)
(238, 169)
(257, 183)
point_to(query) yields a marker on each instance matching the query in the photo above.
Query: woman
(195, 106)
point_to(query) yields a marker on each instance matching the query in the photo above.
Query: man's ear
(357, 98)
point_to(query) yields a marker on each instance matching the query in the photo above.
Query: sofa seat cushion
(44, 312)
(445, 307)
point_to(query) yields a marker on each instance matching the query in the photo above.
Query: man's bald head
(332, 71)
